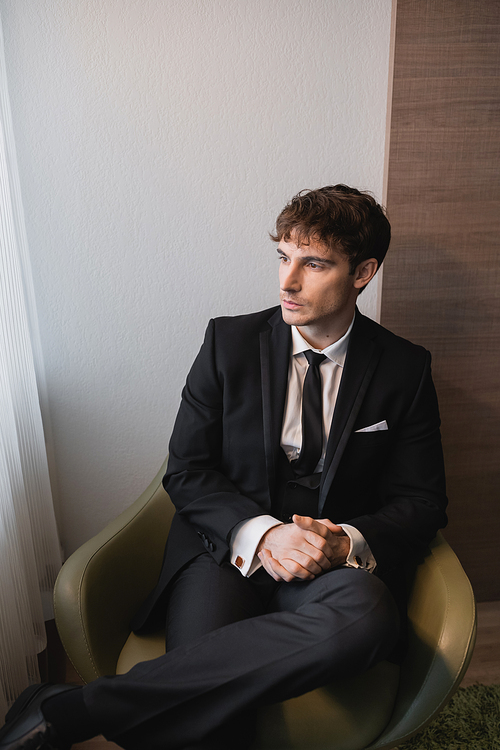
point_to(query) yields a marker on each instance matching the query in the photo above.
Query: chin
(295, 320)
(290, 317)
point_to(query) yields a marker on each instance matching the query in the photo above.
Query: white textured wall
(157, 141)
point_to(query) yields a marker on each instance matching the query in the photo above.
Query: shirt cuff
(360, 554)
(245, 538)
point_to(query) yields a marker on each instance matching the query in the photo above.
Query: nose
(289, 277)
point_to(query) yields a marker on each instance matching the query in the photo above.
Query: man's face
(316, 288)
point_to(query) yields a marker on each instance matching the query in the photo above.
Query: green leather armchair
(103, 583)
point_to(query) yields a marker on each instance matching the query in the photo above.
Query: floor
(484, 667)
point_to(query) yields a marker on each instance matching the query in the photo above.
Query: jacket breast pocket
(368, 447)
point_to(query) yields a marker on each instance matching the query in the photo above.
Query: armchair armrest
(442, 634)
(103, 583)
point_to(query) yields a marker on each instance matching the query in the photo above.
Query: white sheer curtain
(29, 548)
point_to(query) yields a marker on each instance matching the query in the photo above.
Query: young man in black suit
(306, 469)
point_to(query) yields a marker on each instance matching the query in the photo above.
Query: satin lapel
(275, 343)
(361, 360)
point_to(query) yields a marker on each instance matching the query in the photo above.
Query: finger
(281, 539)
(321, 553)
(287, 570)
(311, 559)
(311, 524)
(321, 533)
(341, 548)
(317, 534)
(265, 557)
(295, 570)
(303, 522)
(313, 555)
(273, 568)
(302, 545)
(337, 530)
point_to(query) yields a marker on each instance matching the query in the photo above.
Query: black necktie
(312, 417)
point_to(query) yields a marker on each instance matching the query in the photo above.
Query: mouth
(290, 304)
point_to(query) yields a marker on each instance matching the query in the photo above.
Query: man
(306, 469)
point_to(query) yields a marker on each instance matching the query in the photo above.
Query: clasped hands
(303, 549)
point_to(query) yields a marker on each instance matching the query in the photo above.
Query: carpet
(470, 721)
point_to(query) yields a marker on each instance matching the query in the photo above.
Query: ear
(365, 272)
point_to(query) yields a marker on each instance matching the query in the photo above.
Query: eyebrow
(309, 258)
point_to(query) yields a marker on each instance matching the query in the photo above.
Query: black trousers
(235, 644)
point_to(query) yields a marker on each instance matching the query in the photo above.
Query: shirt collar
(336, 351)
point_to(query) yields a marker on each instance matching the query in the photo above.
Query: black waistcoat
(293, 494)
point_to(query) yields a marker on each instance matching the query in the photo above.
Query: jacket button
(211, 547)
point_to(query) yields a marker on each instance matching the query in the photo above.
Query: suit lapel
(362, 358)
(275, 344)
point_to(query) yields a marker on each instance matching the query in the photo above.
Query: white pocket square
(375, 427)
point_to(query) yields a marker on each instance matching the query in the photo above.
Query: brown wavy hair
(339, 217)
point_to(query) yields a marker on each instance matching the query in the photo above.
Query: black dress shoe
(25, 725)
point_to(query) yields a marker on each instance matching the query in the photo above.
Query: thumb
(303, 522)
(264, 554)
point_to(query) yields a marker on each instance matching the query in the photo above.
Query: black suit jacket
(226, 440)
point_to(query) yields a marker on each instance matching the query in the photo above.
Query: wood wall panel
(441, 283)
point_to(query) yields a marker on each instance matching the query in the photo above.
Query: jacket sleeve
(195, 479)
(411, 485)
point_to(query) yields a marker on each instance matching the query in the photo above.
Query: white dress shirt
(246, 535)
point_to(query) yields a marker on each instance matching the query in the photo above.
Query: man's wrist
(345, 543)
(359, 554)
(265, 537)
(245, 538)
